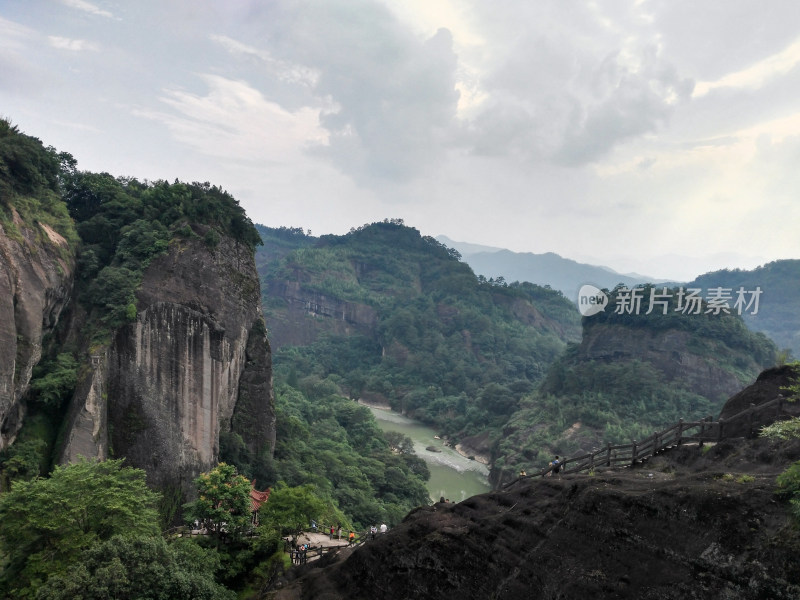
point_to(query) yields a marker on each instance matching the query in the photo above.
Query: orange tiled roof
(257, 498)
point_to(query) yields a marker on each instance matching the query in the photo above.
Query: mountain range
(548, 269)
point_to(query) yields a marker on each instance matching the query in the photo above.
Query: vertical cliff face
(36, 271)
(195, 361)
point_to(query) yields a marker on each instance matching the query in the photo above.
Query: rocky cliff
(195, 362)
(36, 271)
(308, 313)
(673, 353)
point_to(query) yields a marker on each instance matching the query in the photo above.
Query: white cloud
(757, 74)
(63, 43)
(234, 122)
(540, 126)
(88, 7)
(13, 35)
(282, 70)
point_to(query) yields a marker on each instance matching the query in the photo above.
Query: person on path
(556, 466)
(339, 532)
(383, 528)
(351, 538)
(332, 531)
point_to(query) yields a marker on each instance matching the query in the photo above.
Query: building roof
(257, 498)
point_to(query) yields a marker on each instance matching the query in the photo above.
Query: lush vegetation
(116, 227)
(31, 183)
(450, 349)
(91, 531)
(124, 223)
(45, 524)
(471, 356)
(336, 445)
(584, 402)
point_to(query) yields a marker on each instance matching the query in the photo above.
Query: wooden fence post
(680, 431)
(656, 441)
(719, 433)
(608, 455)
(633, 453)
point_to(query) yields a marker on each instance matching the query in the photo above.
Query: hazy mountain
(560, 273)
(777, 312)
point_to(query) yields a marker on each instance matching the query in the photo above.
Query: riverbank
(466, 449)
(375, 401)
(453, 475)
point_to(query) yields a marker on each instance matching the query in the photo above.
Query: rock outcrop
(195, 362)
(309, 314)
(770, 384)
(688, 525)
(670, 351)
(36, 270)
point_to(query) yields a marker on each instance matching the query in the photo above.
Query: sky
(661, 137)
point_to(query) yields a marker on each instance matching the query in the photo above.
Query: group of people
(300, 555)
(373, 531)
(337, 531)
(555, 468)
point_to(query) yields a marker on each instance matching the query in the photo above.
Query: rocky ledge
(691, 523)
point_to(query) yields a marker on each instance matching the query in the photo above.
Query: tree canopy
(46, 523)
(223, 501)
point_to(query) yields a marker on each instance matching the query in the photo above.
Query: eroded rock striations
(36, 270)
(195, 362)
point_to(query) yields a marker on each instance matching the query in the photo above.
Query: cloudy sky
(654, 136)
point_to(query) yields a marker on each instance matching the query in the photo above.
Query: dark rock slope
(648, 533)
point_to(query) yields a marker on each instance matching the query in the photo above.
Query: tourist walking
(555, 465)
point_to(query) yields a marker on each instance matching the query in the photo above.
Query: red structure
(257, 499)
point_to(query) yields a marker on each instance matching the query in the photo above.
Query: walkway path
(317, 540)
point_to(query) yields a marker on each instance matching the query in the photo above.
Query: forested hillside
(631, 375)
(388, 315)
(384, 314)
(778, 315)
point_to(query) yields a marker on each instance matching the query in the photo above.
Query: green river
(453, 476)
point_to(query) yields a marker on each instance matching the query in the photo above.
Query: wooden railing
(705, 430)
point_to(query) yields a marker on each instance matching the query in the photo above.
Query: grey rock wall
(173, 378)
(36, 271)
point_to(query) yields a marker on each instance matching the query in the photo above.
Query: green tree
(21, 460)
(140, 567)
(291, 509)
(399, 442)
(55, 380)
(223, 501)
(45, 524)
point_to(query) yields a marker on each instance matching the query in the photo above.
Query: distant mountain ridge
(778, 314)
(563, 274)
